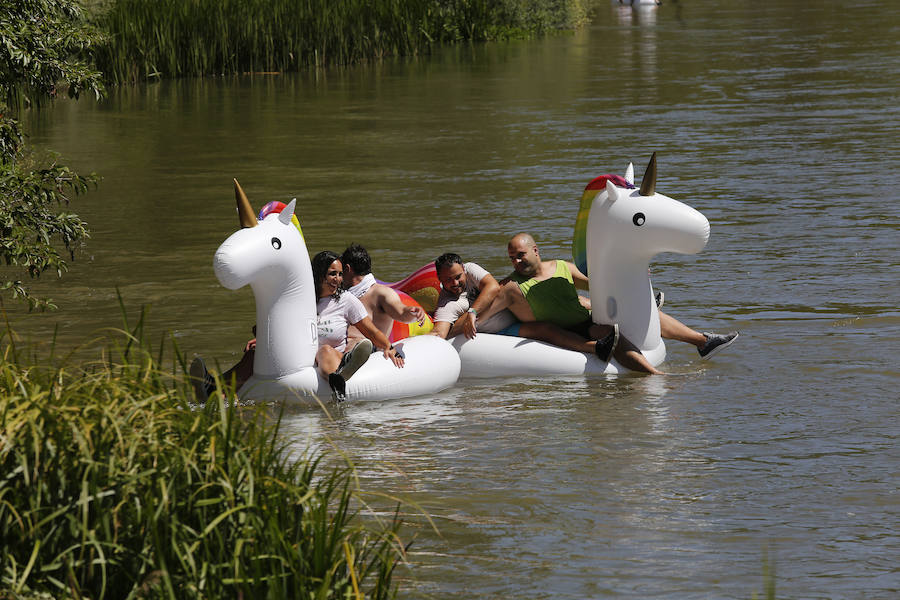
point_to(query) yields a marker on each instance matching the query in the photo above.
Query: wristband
(473, 311)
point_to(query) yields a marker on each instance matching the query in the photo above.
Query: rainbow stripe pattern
(421, 288)
(579, 239)
(276, 207)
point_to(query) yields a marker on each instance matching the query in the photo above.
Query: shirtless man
(382, 303)
(529, 270)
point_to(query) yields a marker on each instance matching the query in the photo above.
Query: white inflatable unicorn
(271, 257)
(626, 228)
(618, 231)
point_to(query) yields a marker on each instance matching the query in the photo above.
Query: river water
(779, 121)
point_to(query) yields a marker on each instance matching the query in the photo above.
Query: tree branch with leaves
(45, 47)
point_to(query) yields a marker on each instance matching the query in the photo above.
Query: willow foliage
(43, 45)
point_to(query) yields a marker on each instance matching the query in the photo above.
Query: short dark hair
(446, 260)
(358, 258)
(320, 263)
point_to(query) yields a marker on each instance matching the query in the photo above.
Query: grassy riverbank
(173, 38)
(113, 487)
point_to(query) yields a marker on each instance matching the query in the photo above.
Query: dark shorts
(583, 329)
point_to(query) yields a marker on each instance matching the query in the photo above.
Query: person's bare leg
(241, 372)
(673, 329)
(626, 352)
(328, 360)
(547, 332)
(511, 297)
(630, 357)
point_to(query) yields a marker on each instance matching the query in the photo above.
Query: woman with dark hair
(336, 312)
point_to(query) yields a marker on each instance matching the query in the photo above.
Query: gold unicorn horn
(245, 211)
(648, 183)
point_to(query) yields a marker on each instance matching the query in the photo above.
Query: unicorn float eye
(276, 243)
(638, 219)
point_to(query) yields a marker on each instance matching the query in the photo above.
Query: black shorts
(583, 329)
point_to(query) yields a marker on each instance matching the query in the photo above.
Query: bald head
(521, 238)
(524, 255)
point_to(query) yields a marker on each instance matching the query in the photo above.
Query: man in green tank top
(553, 297)
(547, 290)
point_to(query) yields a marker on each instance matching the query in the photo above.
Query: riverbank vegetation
(113, 486)
(173, 38)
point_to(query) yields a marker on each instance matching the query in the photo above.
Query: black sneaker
(660, 298)
(604, 348)
(201, 380)
(338, 387)
(353, 360)
(716, 342)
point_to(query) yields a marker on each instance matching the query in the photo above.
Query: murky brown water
(779, 121)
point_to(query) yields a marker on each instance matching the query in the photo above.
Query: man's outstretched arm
(390, 302)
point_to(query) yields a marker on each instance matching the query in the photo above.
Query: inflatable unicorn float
(271, 257)
(618, 230)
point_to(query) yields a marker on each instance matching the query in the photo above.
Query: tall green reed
(113, 486)
(173, 38)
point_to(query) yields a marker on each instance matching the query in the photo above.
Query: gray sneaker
(716, 342)
(202, 382)
(356, 358)
(604, 348)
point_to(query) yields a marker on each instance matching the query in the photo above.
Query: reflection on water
(778, 121)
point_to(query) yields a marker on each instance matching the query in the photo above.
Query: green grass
(113, 486)
(173, 38)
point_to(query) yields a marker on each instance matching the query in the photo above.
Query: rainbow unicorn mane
(597, 185)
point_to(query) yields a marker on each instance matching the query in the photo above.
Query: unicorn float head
(271, 257)
(619, 229)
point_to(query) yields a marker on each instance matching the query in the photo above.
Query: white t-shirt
(335, 314)
(450, 308)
